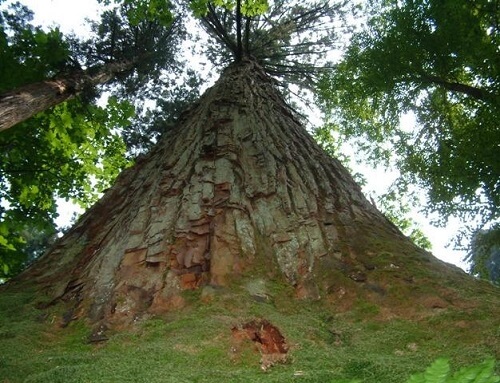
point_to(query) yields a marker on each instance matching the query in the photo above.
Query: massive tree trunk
(24, 102)
(238, 189)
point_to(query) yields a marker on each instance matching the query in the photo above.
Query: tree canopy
(289, 39)
(438, 61)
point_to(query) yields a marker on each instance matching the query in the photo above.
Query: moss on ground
(194, 344)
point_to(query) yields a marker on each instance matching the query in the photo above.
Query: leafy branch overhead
(247, 7)
(439, 62)
(145, 10)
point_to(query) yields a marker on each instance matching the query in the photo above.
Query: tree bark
(237, 188)
(24, 102)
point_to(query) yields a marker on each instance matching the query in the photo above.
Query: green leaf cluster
(399, 212)
(391, 204)
(440, 372)
(73, 151)
(484, 254)
(332, 145)
(146, 10)
(248, 7)
(28, 53)
(437, 61)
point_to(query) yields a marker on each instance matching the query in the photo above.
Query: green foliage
(332, 146)
(158, 86)
(22, 242)
(29, 54)
(139, 11)
(394, 207)
(436, 373)
(437, 61)
(484, 254)
(248, 7)
(73, 152)
(149, 44)
(440, 372)
(150, 123)
(76, 149)
(254, 8)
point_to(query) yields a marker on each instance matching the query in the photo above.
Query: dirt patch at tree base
(266, 339)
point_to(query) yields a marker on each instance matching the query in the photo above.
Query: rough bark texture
(24, 102)
(238, 185)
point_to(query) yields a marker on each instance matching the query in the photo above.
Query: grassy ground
(194, 344)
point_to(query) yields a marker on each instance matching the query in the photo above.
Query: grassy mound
(197, 343)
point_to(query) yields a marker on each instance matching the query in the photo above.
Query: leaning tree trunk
(238, 187)
(24, 102)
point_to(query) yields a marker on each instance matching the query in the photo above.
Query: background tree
(161, 85)
(438, 61)
(75, 149)
(121, 51)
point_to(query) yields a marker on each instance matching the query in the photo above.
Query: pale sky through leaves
(70, 16)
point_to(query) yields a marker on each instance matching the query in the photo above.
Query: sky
(70, 16)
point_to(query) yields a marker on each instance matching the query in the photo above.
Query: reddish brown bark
(238, 186)
(24, 102)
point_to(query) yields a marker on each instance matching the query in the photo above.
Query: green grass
(194, 344)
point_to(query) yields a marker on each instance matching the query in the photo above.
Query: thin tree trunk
(24, 102)
(238, 188)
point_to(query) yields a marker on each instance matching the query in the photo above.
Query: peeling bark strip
(24, 102)
(237, 182)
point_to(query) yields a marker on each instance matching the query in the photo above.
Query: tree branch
(474, 92)
(239, 52)
(212, 22)
(248, 23)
